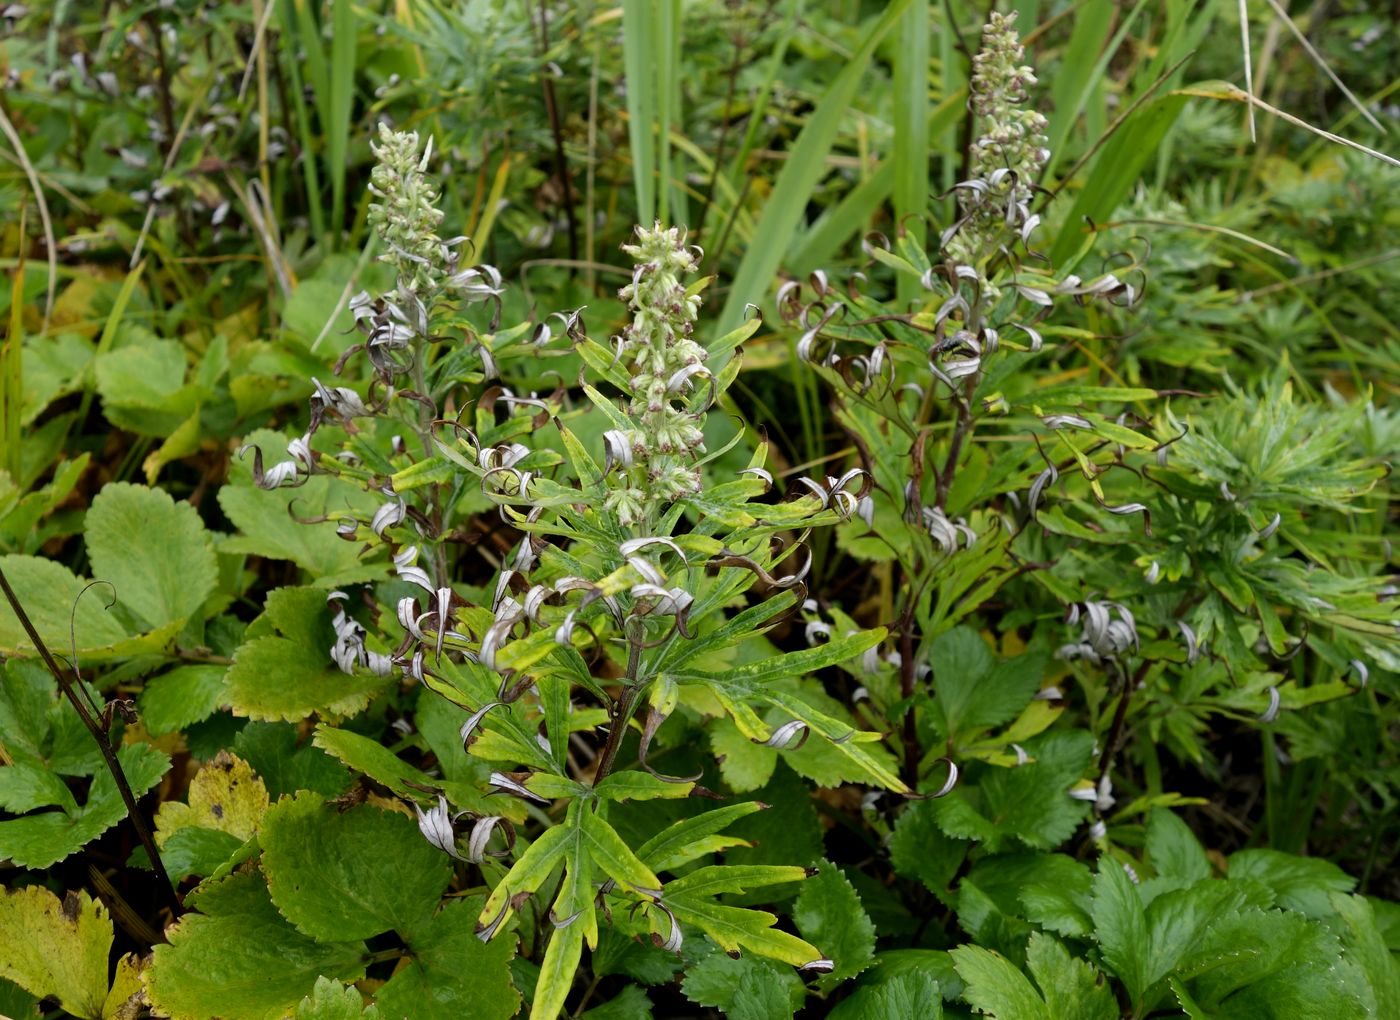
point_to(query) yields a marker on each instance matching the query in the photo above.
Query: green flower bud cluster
(407, 216)
(1010, 152)
(1014, 136)
(666, 364)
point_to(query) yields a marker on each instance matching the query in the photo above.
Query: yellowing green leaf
(239, 959)
(225, 796)
(56, 948)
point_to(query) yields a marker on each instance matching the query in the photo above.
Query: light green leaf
(557, 972)
(1366, 947)
(224, 796)
(691, 899)
(143, 386)
(761, 1000)
(195, 850)
(240, 959)
(908, 996)
(996, 987)
(1173, 849)
(330, 1000)
(745, 764)
(875, 764)
(369, 756)
(451, 973)
(284, 670)
(529, 872)
(267, 529)
(48, 591)
(715, 980)
(56, 948)
(611, 853)
(1274, 963)
(829, 914)
(974, 690)
(38, 726)
(39, 840)
(349, 875)
(184, 695)
(634, 785)
(1030, 804)
(24, 787)
(1072, 988)
(164, 581)
(1121, 927)
(1304, 884)
(677, 844)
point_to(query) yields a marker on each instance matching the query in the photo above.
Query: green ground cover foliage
(700, 508)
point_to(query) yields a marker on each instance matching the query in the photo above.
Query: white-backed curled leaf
(949, 782)
(1126, 509)
(436, 826)
(783, 736)
(405, 565)
(1188, 635)
(674, 939)
(633, 546)
(473, 721)
(1047, 477)
(506, 783)
(1271, 713)
(1064, 421)
(481, 836)
(389, 514)
(617, 450)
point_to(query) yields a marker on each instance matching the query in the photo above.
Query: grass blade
(1085, 65)
(109, 334)
(638, 53)
(12, 370)
(801, 173)
(344, 29)
(816, 247)
(775, 64)
(1114, 172)
(911, 130)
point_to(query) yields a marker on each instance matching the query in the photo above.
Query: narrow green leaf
(799, 176)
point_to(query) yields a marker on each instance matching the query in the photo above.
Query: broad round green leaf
(241, 960)
(352, 874)
(452, 973)
(154, 551)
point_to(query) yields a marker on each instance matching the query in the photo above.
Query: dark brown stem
(104, 744)
(961, 428)
(906, 691)
(556, 127)
(621, 714)
(1120, 715)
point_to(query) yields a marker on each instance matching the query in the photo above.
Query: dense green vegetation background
(1187, 473)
